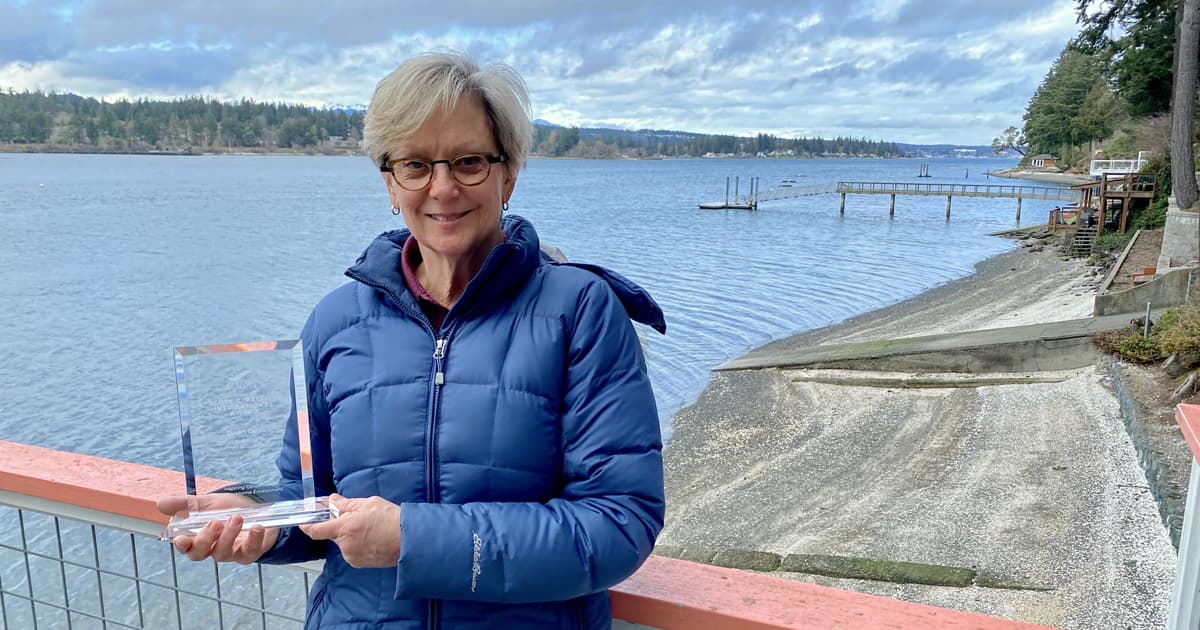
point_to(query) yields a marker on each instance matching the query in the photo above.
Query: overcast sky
(921, 71)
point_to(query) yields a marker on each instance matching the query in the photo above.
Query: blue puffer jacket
(521, 442)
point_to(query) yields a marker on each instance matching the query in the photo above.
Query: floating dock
(749, 202)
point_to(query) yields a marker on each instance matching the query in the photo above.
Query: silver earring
(504, 207)
(395, 211)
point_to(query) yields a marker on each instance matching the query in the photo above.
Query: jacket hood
(638, 303)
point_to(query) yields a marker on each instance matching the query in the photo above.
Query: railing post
(1184, 612)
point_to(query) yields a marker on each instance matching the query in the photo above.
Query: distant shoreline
(314, 151)
(1041, 176)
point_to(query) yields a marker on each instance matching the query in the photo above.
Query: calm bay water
(108, 261)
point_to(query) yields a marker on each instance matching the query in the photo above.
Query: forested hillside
(39, 121)
(599, 142)
(194, 123)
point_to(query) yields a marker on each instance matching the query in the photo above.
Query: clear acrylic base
(280, 514)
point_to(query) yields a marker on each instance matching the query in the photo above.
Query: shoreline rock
(1042, 175)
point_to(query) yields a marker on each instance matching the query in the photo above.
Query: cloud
(936, 68)
(31, 33)
(904, 69)
(164, 68)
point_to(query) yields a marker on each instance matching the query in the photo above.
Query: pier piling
(1018, 209)
(892, 207)
(948, 199)
(842, 209)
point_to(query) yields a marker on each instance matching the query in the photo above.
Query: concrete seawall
(1036, 347)
(1169, 289)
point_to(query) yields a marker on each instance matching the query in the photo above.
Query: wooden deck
(1114, 196)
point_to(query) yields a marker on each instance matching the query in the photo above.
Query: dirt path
(1143, 254)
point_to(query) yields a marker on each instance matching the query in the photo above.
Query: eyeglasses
(415, 174)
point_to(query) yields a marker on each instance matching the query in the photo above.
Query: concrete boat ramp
(1050, 346)
(887, 454)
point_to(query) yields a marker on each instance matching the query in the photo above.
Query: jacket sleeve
(292, 545)
(610, 510)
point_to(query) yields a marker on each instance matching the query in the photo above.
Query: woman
(480, 414)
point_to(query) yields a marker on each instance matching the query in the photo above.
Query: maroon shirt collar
(410, 259)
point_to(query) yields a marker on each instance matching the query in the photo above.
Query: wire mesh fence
(57, 572)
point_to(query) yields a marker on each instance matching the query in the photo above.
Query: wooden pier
(949, 191)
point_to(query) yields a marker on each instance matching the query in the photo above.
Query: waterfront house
(1042, 160)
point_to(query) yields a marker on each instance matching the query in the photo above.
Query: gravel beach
(1033, 487)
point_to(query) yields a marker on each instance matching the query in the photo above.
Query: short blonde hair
(412, 92)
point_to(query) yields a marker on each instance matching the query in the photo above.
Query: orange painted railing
(665, 593)
(1188, 419)
(1185, 602)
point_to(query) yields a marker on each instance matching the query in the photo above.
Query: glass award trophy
(234, 402)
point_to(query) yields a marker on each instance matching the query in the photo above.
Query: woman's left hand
(366, 530)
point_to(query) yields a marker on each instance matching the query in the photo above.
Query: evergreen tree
(1141, 61)
(1052, 119)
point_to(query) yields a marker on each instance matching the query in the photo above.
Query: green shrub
(1141, 349)
(1111, 241)
(1178, 330)
(1181, 332)
(1168, 320)
(1109, 341)
(1123, 145)
(1153, 217)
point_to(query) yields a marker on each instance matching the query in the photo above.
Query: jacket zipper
(434, 612)
(439, 378)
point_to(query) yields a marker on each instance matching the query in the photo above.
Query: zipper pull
(439, 353)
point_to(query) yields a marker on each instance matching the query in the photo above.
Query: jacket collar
(505, 269)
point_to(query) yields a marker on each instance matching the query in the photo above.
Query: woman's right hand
(223, 541)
